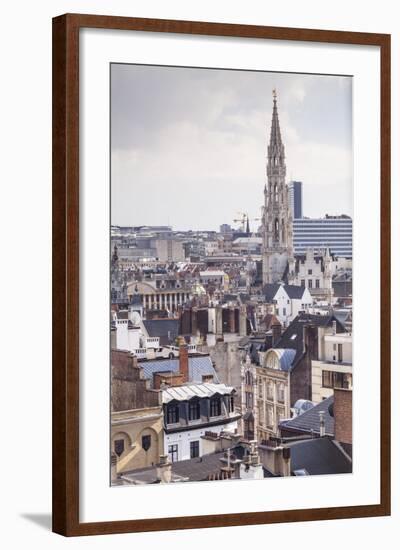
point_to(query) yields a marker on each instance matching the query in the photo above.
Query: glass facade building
(335, 233)
(296, 198)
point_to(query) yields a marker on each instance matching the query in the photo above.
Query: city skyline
(202, 131)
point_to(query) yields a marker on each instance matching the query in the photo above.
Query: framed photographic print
(221, 274)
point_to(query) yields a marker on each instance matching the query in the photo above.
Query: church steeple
(275, 141)
(276, 149)
(277, 220)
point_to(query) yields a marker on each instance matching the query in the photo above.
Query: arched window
(283, 232)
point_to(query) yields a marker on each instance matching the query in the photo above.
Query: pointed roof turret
(247, 225)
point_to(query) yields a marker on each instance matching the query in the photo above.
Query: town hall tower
(277, 230)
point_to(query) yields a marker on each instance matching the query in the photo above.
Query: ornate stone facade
(277, 217)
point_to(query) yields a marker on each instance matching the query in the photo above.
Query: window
(281, 393)
(309, 283)
(146, 442)
(215, 406)
(284, 311)
(270, 391)
(340, 353)
(248, 378)
(173, 453)
(194, 409)
(316, 283)
(249, 401)
(231, 403)
(173, 414)
(270, 417)
(194, 449)
(341, 380)
(119, 446)
(327, 379)
(303, 282)
(277, 310)
(310, 271)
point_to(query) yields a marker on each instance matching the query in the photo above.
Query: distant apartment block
(333, 232)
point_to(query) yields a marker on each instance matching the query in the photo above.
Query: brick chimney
(184, 363)
(276, 333)
(342, 413)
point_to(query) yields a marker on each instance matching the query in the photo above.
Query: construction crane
(244, 220)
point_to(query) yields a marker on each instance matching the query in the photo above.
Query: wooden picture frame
(66, 273)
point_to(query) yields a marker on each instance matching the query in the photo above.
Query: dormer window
(173, 414)
(215, 406)
(194, 409)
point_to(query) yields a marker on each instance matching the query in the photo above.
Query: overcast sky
(188, 146)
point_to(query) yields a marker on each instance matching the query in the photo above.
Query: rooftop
(318, 457)
(199, 366)
(188, 391)
(309, 421)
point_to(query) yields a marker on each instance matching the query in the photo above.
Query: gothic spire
(276, 149)
(275, 138)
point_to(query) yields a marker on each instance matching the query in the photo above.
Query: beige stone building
(136, 415)
(137, 437)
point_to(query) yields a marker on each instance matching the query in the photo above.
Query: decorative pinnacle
(274, 94)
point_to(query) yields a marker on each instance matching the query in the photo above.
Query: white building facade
(192, 411)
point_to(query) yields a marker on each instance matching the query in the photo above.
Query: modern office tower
(296, 198)
(334, 232)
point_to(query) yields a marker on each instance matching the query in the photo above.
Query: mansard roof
(188, 391)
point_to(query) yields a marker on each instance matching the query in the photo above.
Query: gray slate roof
(296, 328)
(309, 420)
(294, 291)
(165, 329)
(319, 456)
(194, 469)
(269, 290)
(198, 366)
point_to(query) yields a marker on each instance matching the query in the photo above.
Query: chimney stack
(321, 423)
(276, 333)
(164, 469)
(184, 363)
